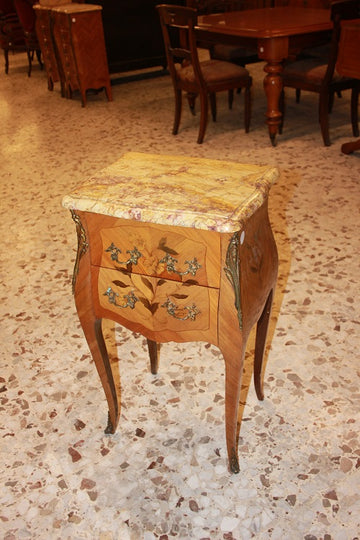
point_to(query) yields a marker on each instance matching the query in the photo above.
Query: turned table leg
(273, 87)
(273, 51)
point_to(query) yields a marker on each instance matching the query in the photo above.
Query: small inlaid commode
(177, 249)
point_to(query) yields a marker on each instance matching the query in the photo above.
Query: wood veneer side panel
(258, 266)
(89, 49)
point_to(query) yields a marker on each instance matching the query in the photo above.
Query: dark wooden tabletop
(267, 22)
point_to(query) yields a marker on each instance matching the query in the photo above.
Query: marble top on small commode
(176, 190)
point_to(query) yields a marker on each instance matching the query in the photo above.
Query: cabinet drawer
(153, 252)
(157, 304)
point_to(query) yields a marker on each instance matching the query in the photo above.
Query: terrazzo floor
(164, 474)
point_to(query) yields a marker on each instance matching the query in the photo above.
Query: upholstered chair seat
(312, 69)
(194, 77)
(212, 72)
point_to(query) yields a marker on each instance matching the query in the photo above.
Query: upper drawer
(173, 253)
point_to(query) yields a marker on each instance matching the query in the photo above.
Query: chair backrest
(340, 10)
(316, 4)
(26, 14)
(177, 24)
(345, 9)
(206, 7)
(6, 6)
(11, 31)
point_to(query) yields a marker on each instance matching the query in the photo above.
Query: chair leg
(282, 110)
(191, 100)
(38, 56)
(247, 111)
(30, 57)
(230, 98)
(50, 84)
(203, 116)
(297, 94)
(354, 111)
(6, 55)
(212, 96)
(324, 117)
(178, 106)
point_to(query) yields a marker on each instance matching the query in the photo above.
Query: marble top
(176, 190)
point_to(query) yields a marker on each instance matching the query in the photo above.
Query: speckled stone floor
(164, 474)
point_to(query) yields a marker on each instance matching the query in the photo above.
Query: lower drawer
(155, 303)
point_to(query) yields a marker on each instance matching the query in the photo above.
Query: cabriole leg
(261, 333)
(154, 349)
(91, 325)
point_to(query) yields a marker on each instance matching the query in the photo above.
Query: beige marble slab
(177, 190)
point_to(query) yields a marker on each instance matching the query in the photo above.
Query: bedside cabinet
(47, 45)
(79, 38)
(177, 249)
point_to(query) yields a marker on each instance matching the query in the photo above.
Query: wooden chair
(348, 63)
(11, 32)
(190, 75)
(220, 51)
(229, 53)
(313, 75)
(27, 18)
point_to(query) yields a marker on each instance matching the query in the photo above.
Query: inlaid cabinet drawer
(177, 254)
(154, 253)
(159, 304)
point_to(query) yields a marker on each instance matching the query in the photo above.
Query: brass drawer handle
(130, 298)
(170, 265)
(134, 254)
(172, 308)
